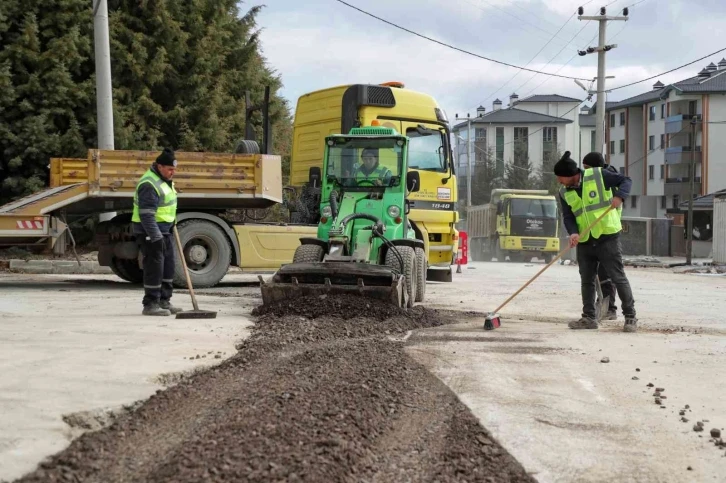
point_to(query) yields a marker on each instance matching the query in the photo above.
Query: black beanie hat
(594, 160)
(166, 158)
(566, 167)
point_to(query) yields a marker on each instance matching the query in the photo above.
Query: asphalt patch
(310, 396)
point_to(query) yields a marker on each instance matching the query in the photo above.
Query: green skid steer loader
(365, 243)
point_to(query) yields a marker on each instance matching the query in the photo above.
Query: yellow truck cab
(417, 115)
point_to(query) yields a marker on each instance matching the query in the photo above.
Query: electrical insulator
(602, 11)
(581, 10)
(582, 53)
(626, 11)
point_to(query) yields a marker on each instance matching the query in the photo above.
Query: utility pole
(469, 156)
(691, 194)
(104, 93)
(601, 49)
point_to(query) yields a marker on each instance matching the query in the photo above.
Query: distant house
(650, 137)
(543, 124)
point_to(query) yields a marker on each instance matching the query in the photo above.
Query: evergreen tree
(180, 71)
(547, 179)
(485, 178)
(518, 172)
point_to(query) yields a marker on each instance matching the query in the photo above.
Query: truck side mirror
(500, 205)
(314, 176)
(413, 181)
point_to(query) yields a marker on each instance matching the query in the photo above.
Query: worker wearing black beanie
(584, 198)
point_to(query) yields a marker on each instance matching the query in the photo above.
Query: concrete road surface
(70, 344)
(543, 391)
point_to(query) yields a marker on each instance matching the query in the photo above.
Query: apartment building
(543, 124)
(654, 136)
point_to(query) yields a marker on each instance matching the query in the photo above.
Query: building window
(549, 143)
(521, 144)
(622, 119)
(651, 116)
(592, 142)
(651, 143)
(676, 202)
(612, 120)
(633, 201)
(622, 146)
(622, 170)
(651, 172)
(480, 145)
(663, 202)
(500, 151)
(692, 107)
(612, 147)
(662, 111)
(662, 141)
(662, 171)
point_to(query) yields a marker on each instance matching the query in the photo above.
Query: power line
(668, 71)
(515, 17)
(449, 45)
(530, 61)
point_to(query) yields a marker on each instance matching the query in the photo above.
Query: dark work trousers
(608, 288)
(608, 255)
(158, 269)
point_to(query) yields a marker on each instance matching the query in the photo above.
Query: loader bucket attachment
(332, 278)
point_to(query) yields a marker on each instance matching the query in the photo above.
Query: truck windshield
(365, 162)
(426, 152)
(533, 208)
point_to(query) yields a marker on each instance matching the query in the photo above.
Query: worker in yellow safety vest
(585, 196)
(153, 220)
(370, 169)
(596, 160)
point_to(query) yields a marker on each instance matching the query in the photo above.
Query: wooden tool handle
(184, 264)
(559, 255)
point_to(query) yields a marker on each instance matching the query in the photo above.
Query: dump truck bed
(106, 182)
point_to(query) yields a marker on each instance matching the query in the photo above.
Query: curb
(55, 267)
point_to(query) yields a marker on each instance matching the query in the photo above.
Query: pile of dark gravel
(315, 394)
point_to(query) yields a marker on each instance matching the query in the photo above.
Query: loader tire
(207, 252)
(308, 254)
(408, 270)
(421, 270)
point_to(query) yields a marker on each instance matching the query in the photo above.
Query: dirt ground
(310, 396)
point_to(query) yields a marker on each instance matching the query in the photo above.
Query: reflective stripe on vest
(166, 211)
(595, 200)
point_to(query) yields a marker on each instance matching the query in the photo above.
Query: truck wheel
(118, 270)
(421, 278)
(409, 269)
(308, 254)
(127, 270)
(245, 146)
(132, 270)
(498, 252)
(549, 257)
(206, 251)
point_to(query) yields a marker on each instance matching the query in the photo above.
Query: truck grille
(533, 243)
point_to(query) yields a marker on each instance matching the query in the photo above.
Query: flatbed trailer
(208, 185)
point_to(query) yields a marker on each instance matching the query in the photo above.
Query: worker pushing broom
(590, 213)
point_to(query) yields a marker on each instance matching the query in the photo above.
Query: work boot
(583, 323)
(155, 309)
(611, 315)
(631, 324)
(166, 304)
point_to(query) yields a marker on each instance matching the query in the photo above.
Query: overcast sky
(322, 43)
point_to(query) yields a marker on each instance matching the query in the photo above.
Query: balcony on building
(682, 154)
(678, 123)
(681, 187)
